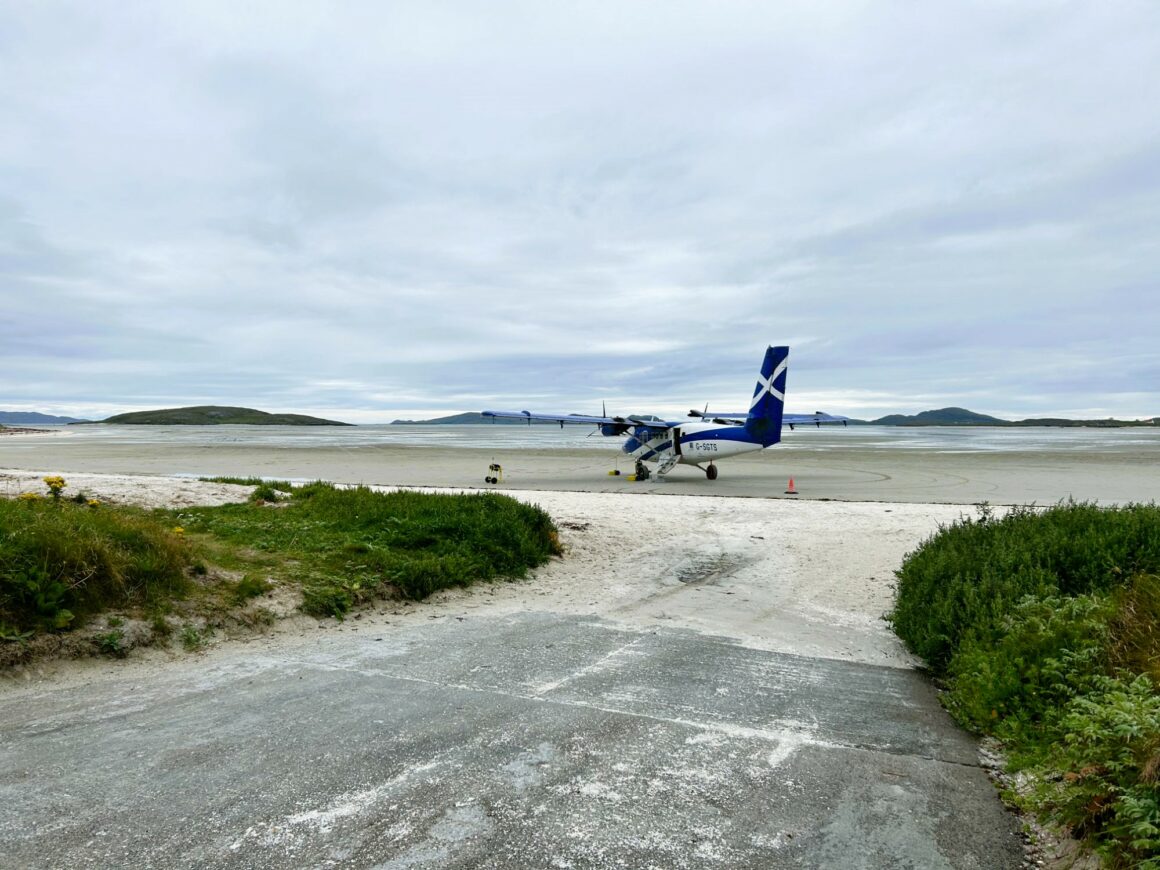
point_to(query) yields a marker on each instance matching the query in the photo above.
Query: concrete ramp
(525, 741)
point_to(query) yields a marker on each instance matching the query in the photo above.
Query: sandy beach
(810, 573)
(843, 469)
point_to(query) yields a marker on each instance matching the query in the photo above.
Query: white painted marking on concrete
(596, 667)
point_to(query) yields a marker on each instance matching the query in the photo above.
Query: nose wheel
(711, 472)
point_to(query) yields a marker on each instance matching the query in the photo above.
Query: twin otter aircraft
(718, 436)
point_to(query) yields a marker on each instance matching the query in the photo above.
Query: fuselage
(694, 443)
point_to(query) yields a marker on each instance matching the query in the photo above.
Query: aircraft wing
(791, 420)
(720, 419)
(818, 417)
(622, 424)
(531, 416)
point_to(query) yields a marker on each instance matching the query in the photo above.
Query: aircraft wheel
(711, 472)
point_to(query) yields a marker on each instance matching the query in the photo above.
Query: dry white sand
(812, 578)
(140, 490)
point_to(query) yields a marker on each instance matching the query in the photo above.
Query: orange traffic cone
(789, 490)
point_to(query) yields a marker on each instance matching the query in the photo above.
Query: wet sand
(853, 473)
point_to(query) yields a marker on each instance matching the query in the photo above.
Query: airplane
(714, 437)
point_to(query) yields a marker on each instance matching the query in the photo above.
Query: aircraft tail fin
(765, 411)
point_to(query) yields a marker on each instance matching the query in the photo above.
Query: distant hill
(464, 420)
(453, 420)
(1107, 423)
(20, 418)
(215, 415)
(940, 417)
(963, 417)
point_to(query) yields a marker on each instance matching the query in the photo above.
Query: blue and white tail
(764, 421)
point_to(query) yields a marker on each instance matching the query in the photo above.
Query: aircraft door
(677, 441)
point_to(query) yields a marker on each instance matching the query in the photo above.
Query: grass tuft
(279, 485)
(194, 638)
(250, 587)
(61, 562)
(112, 643)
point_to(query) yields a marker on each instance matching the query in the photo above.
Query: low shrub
(1049, 650)
(966, 579)
(1043, 626)
(1108, 750)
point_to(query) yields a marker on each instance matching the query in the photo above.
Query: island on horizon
(214, 415)
(963, 417)
(24, 418)
(937, 417)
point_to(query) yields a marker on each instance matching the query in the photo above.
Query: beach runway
(827, 470)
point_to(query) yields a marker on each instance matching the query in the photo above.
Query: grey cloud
(419, 203)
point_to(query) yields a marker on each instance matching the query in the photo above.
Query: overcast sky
(404, 209)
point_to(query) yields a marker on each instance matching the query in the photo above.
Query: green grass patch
(250, 587)
(280, 485)
(348, 545)
(264, 490)
(61, 562)
(1043, 627)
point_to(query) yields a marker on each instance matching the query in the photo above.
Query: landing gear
(642, 472)
(711, 472)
